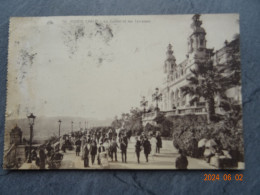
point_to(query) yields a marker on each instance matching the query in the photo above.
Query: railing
(149, 115)
(175, 112)
(198, 110)
(201, 104)
(185, 111)
(10, 157)
(171, 112)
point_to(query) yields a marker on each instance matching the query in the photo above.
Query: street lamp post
(71, 126)
(157, 97)
(143, 103)
(59, 121)
(31, 119)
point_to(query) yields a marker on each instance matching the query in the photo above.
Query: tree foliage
(231, 68)
(206, 81)
(165, 125)
(188, 131)
(131, 121)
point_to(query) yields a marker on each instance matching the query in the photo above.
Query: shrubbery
(188, 130)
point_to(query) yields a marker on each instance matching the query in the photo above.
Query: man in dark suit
(123, 147)
(181, 161)
(78, 146)
(147, 148)
(93, 150)
(114, 147)
(158, 143)
(138, 149)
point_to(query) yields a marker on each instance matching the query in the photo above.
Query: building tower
(197, 43)
(169, 64)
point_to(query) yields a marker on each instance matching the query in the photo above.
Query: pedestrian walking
(101, 149)
(42, 159)
(63, 147)
(158, 143)
(26, 153)
(110, 134)
(88, 139)
(78, 146)
(34, 154)
(114, 147)
(142, 136)
(103, 157)
(153, 145)
(83, 142)
(138, 149)
(181, 161)
(98, 136)
(129, 134)
(86, 155)
(147, 148)
(123, 147)
(49, 149)
(93, 151)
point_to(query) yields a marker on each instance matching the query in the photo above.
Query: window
(201, 42)
(177, 94)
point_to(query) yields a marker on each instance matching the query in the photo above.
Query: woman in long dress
(153, 145)
(86, 155)
(103, 155)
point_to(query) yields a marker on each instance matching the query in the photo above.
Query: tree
(206, 81)
(231, 72)
(116, 123)
(166, 125)
(129, 121)
(135, 120)
(231, 67)
(233, 114)
(143, 103)
(157, 97)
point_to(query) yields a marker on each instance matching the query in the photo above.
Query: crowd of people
(44, 156)
(100, 148)
(105, 146)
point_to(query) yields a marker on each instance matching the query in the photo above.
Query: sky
(97, 67)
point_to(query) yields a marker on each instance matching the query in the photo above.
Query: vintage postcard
(124, 92)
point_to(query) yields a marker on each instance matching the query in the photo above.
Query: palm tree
(157, 97)
(144, 103)
(206, 81)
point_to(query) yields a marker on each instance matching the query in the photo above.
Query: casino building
(173, 101)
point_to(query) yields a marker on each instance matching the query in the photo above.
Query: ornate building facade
(173, 100)
(175, 74)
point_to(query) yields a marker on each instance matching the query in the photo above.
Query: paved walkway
(164, 160)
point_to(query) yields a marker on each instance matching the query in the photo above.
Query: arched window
(201, 42)
(177, 94)
(172, 96)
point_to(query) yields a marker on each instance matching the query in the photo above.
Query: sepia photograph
(143, 92)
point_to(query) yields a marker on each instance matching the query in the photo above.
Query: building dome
(196, 24)
(199, 30)
(16, 135)
(16, 130)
